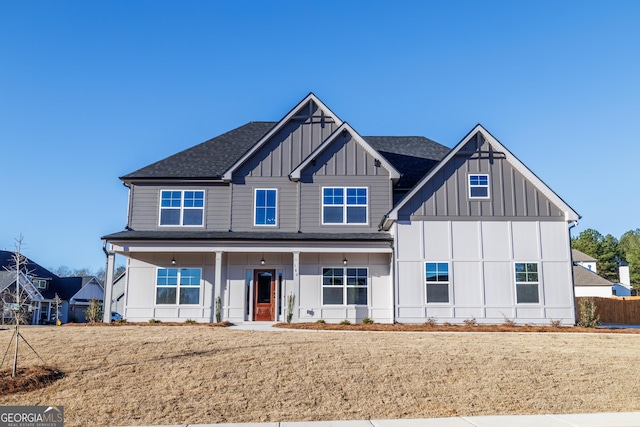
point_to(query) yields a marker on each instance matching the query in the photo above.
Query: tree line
(100, 274)
(610, 252)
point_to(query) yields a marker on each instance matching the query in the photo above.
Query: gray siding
(145, 206)
(511, 194)
(288, 147)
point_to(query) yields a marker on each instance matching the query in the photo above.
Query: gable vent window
(344, 205)
(478, 186)
(182, 208)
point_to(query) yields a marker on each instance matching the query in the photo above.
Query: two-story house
(307, 213)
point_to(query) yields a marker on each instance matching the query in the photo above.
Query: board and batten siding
(447, 193)
(481, 257)
(145, 206)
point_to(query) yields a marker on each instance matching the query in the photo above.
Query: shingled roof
(412, 156)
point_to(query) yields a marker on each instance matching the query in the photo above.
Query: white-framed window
(178, 286)
(182, 208)
(40, 283)
(527, 283)
(265, 210)
(478, 186)
(345, 286)
(344, 205)
(437, 282)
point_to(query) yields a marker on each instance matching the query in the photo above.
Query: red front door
(264, 296)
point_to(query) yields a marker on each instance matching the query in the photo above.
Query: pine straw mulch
(425, 327)
(27, 379)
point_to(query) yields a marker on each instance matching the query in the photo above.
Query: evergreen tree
(630, 248)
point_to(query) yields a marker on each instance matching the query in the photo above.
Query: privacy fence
(623, 310)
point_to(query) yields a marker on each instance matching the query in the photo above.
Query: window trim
(487, 186)
(177, 287)
(436, 282)
(345, 206)
(344, 286)
(255, 207)
(529, 283)
(182, 208)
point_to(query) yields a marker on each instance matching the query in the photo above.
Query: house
(91, 290)
(588, 284)
(307, 212)
(40, 288)
(584, 260)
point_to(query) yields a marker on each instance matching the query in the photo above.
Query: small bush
(93, 313)
(431, 321)
(190, 321)
(154, 321)
(320, 321)
(345, 322)
(218, 309)
(471, 322)
(508, 322)
(368, 321)
(123, 320)
(555, 323)
(588, 313)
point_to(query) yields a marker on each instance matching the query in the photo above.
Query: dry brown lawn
(134, 375)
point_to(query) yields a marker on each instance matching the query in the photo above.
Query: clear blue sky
(93, 90)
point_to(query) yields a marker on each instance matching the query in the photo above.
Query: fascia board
(570, 214)
(311, 97)
(393, 172)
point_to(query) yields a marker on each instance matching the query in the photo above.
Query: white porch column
(217, 286)
(296, 285)
(108, 287)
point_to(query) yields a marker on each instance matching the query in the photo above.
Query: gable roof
(345, 127)
(311, 98)
(208, 160)
(584, 277)
(579, 256)
(570, 214)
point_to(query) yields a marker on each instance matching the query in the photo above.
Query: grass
(195, 374)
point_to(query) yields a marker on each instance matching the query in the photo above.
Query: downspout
(573, 287)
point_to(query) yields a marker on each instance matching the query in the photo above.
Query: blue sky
(90, 91)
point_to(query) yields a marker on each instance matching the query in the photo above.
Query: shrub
(555, 323)
(320, 321)
(431, 321)
(508, 322)
(290, 300)
(588, 313)
(94, 311)
(190, 321)
(470, 322)
(345, 322)
(123, 320)
(368, 321)
(154, 321)
(218, 309)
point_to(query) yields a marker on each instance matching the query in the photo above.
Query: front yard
(163, 374)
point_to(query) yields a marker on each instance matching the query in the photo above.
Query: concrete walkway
(618, 419)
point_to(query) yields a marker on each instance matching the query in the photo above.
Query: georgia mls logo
(31, 416)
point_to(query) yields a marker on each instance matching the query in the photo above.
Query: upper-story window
(265, 211)
(40, 283)
(182, 207)
(478, 186)
(344, 205)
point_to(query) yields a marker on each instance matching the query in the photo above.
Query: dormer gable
(345, 133)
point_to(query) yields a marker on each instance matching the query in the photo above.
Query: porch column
(108, 287)
(217, 286)
(296, 284)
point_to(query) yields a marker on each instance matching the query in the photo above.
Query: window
(437, 279)
(182, 208)
(178, 284)
(527, 282)
(478, 186)
(344, 205)
(40, 283)
(342, 286)
(265, 207)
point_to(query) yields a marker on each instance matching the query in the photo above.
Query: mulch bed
(28, 379)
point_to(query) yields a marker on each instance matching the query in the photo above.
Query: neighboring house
(584, 260)
(91, 289)
(41, 287)
(308, 211)
(117, 295)
(589, 284)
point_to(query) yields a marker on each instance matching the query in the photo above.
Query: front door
(264, 284)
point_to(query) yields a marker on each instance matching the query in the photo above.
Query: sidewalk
(621, 419)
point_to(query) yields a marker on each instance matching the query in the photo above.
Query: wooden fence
(622, 310)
